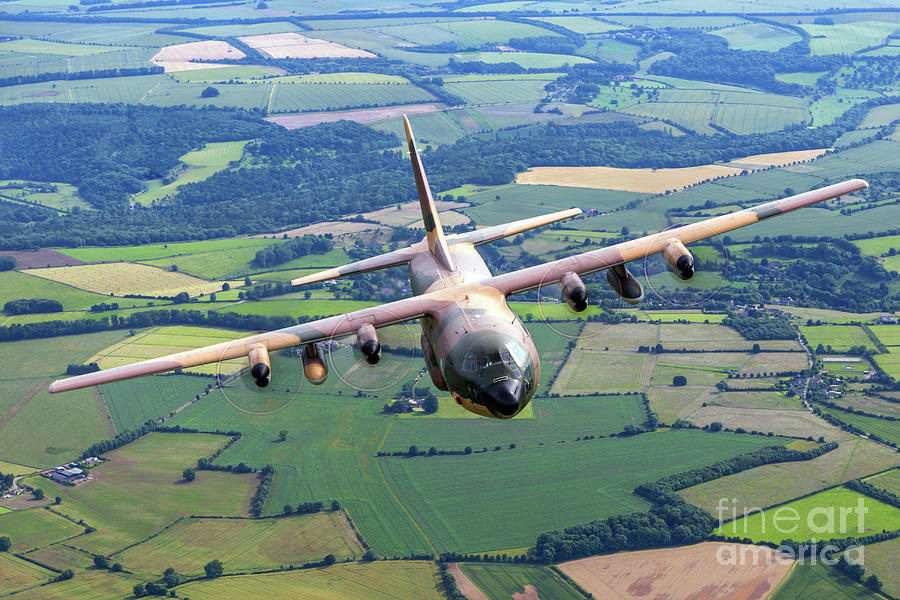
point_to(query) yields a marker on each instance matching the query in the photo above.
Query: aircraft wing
(314, 331)
(604, 258)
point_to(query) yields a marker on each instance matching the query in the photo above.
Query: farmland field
(527, 60)
(587, 372)
(294, 45)
(217, 264)
(140, 490)
(32, 46)
(697, 571)
(29, 529)
(202, 164)
(15, 285)
(889, 335)
(499, 582)
(828, 316)
(758, 36)
(225, 73)
(498, 92)
(814, 582)
(871, 404)
(839, 337)
(881, 559)
(881, 116)
(89, 585)
(151, 251)
(129, 278)
(889, 481)
(245, 29)
(383, 580)
(17, 574)
(888, 430)
(467, 34)
(889, 362)
(244, 545)
(537, 471)
(134, 402)
(846, 38)
(824, 515)
(194, 51)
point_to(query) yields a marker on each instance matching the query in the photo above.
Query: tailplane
(434, 234)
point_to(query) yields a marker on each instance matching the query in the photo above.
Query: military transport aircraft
(475, 347)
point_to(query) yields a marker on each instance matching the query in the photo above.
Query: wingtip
(53, 389)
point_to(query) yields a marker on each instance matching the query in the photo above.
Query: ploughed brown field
(707, 571)
(29, 259)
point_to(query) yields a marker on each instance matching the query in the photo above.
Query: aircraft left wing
(314, 331)
(611, 256)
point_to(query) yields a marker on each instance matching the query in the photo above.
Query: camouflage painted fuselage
(484, 353)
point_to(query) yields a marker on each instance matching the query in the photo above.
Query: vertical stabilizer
(437, 244)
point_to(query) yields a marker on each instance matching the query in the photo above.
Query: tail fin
(437, 244)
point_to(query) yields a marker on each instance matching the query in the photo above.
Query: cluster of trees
(871, 491)
(671, 522)
(764, 456)
(104, 307)
(761, 328)
(102, 562)
(708, 58)
(26, 306)
(257, 503)
(6, 481)
(305, 508)
(125, 437)
(857, 572)
(277, 254)
(7, 263)
(449, 582)
(76, 369)
(5, 543)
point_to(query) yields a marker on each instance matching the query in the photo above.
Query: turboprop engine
(260, 365)
(679, 258)
(369, 344)
(574, 291)
(314, 367)
(624, 284)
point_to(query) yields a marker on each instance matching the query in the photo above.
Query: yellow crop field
(294, 45)
(160, 341)
(129, 278)
(656, 181)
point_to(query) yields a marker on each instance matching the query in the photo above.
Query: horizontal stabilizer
(382, 261)
(489, 234)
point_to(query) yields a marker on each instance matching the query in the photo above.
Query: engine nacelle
(314, 367)
(574, 291)
(624, 284)
(369, 344)
(434, 370)
(679, 258)
(260, 365)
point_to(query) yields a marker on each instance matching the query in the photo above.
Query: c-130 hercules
(475, 347)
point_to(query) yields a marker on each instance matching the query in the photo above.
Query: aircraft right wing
(611, 256)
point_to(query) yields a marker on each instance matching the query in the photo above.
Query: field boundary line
(394, 494)
(271, 100)
(9, 416)
(104, 412)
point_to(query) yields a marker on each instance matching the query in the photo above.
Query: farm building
(67, 474)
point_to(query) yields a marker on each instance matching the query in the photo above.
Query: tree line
(298, 247)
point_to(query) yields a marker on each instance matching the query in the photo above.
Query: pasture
(244, 544)
(888, 430)
(889, 335)
(890, 363)
(201, 164)
(65, 196)
(429, 486)
(527, 60)
(869, 404)
(217, 264)
(466, 34)
(773, 484)
(697, 571)
(881, 559)
(499, 582)
(224, 73)
(581, 24)
(120, 279)
(88, 585)
(30, 529)
(847, 38)
(833, 514)
(826, 315)
(815, 581)
(151, 251)
(132, 34)
(878, 246)
(32, 46)
(16, 284)
(889, 481)
(382, 580)
(132, 403)
(498, 92)
(140, 490)
(758, 36)
(881, 116)
(160, 341)
(840, 337)
(17, 574)
(589, 372)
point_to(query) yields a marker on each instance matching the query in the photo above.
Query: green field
(467, 34)
(64, 198)
(879, 245)
(140, 490)
(500, 582)
(881, 559)
(581, 24)
(243, 544)
(881, 116)
(442, 508)
(88, 585)
(889, 481)
(200, 165)
(890, 363)
(218, 264)
(29, 529)
(825, 110)
(151, 251)
(17, 574)
(223, 74)
(758, 36)
(32, 46)
(817, 516)
(839, 337)
(244, 29)
(847, 38)
(498, 92)
(33, 429)
(298, 307)
(814, 582)
(129, 90)
(888, 430)
(139, 34)
(15, 285)
(889, 335)
(131, 404)
(528, 60)
(383, 580)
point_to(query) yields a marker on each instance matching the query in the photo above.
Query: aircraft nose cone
(504, 397)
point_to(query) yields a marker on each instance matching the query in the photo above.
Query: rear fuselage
(483, 351)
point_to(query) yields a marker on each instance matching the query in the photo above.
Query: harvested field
(295, 121)
(408, 213)
(333, 227)
(29, 259)
(294, 45)
(206, 50)
(465, 585)
(696, 572)
(655, 181)
(129, 278)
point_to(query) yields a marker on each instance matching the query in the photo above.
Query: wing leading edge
(604, 258)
